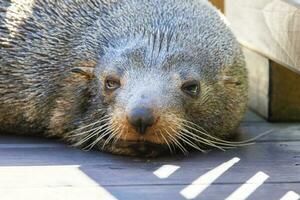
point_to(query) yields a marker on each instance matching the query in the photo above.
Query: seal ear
(85, 68)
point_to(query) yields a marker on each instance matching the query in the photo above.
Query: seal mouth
(131, 143)
(143, 148)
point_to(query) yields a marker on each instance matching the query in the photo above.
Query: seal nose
(141, 119)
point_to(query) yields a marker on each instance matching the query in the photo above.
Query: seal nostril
(141, 119)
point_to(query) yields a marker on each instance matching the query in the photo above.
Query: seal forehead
(164, 49)
(144, 52)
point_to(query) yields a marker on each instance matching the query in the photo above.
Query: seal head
(160, 94)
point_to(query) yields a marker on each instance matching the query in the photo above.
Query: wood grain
(219, 4)
(274, 90)
(285, 94)
(269, 27)
(259, 81)
(157, 192)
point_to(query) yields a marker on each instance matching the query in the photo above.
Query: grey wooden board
(282, 165)
(276, 38)
(155, 192)
(39, 168)
(252, 117)
(277, 131)
(214, 192)
(258, 68)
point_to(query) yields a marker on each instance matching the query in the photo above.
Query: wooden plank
(279, 131)
(136, 174)
(213, 192)
(54, 156)
(284, 94)
(269, 27)
(274, 91)
(56, 193)
(54, 168)
(259, 81)
(250, 116)
(158, 192)
(72, 156)
(219, 4)
(188, 172)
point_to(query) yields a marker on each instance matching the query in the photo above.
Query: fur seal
(131, 77)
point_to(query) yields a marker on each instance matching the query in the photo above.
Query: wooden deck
(37, 168)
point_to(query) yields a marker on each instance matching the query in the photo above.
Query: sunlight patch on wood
(249, 187)
(49, 182)
(201, 183)
(291, 195)
(165, 171)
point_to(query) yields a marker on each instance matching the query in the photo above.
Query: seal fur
(55, 57)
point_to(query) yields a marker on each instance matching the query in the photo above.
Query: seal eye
(192, 88)
(112, 83)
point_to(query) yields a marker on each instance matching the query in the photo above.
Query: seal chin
(140, 148)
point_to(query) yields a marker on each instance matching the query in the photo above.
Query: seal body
(129, 77)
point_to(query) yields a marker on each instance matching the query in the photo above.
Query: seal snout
(141, 119)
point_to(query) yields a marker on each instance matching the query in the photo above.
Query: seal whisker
(107, 141)
(94, 133)
(176, 142)
(164, 138)
(201, 140)
(113, 134)
(92, 129)
(171, 144)
(195, 136)
(214, 140)
(91, 133)
(102, 135)
(182, 137)
(88, 137)
(245, 142)
(192, 135)
(175, 120)
(91, 145)
(126, 133)
(94, 123)
(118, 136)
(104, 118)
(105, 132)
